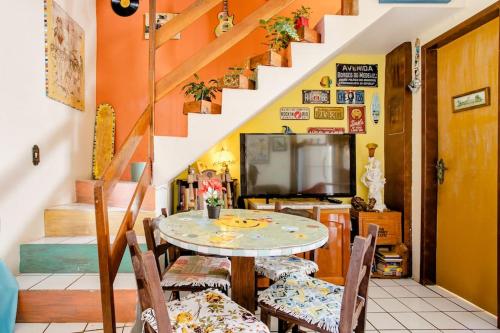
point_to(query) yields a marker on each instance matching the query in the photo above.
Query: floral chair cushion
(198, 271)
(304, 297)
(211, 311)
(275, 268)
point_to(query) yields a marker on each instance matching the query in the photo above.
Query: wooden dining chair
(277, 267)
(315, 304)
(203, 311)
(186, 272)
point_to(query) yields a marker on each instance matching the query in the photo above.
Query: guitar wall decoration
(226, 22)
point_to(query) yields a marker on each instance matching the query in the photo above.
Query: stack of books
(388, 263)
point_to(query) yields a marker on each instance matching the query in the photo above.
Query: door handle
(441, 168)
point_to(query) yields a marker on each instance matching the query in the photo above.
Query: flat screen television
(289, 165)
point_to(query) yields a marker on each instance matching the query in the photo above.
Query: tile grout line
(36, 284)
(72, 283)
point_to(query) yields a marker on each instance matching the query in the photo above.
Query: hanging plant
(301, 17)
(280, 32)
(201, 91)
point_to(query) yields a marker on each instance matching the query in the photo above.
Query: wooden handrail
(350, 7)
(218, 46)
(184, 19)
(120, 243)
(110, 256)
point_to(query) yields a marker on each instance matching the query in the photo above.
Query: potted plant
(301, 19)
(211, 191)
(236, 79)
(280, 33)
(203, 94)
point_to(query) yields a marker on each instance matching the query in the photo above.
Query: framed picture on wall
(279, 143)
(471, 100)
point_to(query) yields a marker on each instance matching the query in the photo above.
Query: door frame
(430, 145)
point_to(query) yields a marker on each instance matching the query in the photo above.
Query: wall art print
(294, 113)
(326, 130)
(357, 119)
(357, 75)
(329, 113)
(315, 96)
(350, 97)
(161, 19)
(64, 57)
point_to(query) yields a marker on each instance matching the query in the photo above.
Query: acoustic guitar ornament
(226, 22)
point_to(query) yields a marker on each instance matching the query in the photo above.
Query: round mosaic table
(243, 235)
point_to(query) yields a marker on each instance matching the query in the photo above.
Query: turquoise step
(61, 255)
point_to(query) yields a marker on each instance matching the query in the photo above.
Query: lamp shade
(223, 157)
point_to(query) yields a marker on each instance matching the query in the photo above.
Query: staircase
(399, 22)
(60, 271)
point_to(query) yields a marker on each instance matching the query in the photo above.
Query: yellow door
(467, 140)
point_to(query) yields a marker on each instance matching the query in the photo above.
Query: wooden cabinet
(333, 261)
(389, 224)
(333, 258)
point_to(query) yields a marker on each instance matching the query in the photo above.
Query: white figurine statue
(374, 179)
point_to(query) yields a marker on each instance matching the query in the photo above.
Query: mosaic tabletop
(243, 233)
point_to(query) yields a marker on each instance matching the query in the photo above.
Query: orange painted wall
(122, 59)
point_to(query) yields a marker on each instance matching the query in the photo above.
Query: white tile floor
(61, 281)
(394, 306)
(76, 240)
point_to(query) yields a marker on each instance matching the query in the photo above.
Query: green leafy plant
(303, 11)
(280, 32)
(201, 91)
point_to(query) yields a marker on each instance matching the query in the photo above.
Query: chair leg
(265, 317)
(360, 327)
(295, 329)
(282, 326)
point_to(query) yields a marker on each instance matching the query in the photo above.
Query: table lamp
(223, 158)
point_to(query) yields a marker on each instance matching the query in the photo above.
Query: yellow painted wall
(467, 200)
(268, 121)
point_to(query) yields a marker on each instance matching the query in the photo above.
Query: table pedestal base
(243, 282)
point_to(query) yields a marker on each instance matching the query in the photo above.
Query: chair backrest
(151, 297)
(353, 310)
(149, 233)
(315, 215)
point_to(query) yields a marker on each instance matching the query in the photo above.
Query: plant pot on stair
(203, 94)
(280, 33)
(301, 20)
(235, 79)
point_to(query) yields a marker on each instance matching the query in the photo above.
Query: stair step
(119, 198)
(78, 219)
(68, 298)
(66, 255)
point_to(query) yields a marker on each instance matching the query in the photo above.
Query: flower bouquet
(212, 190)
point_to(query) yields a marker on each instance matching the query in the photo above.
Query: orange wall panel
(122, 59)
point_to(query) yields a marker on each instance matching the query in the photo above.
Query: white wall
(28, 117)
(471, 8)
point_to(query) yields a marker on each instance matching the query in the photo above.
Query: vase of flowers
(212, 190)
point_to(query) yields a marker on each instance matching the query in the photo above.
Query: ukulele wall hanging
(226, 22)
(124, 7)
(415, 84)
